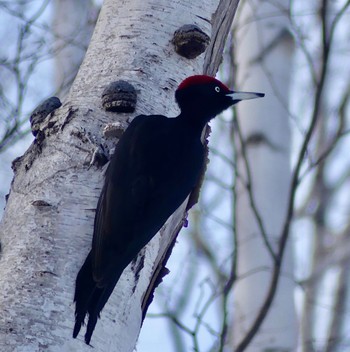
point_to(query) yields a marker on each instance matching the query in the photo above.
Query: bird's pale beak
(238, 96)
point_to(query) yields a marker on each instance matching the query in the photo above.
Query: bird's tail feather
(84, 289)
(97, 302)
(89, 298)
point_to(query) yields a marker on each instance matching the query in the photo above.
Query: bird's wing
(145, 183)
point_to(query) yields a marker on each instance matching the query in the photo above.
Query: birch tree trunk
(263, 52)
(47, 226)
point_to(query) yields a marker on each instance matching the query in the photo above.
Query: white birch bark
(47, 226)
(263, 52)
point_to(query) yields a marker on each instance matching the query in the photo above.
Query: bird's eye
(217, 89)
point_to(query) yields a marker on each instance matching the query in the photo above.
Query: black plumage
(156, 165)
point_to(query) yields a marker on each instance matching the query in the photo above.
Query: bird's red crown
(201, 79)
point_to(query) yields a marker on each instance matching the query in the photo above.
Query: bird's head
(205, 97)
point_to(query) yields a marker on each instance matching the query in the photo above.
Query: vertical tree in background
(322, 226)
(263, 52)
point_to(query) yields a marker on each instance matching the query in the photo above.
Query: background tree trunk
(263, 53)
(47, 226)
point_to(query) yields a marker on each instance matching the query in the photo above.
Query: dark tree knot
(190, 41)
(119, 96)
(40, 114)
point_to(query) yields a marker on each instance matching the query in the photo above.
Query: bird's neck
(193, 121)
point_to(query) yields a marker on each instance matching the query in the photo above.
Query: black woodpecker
(155, 166)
